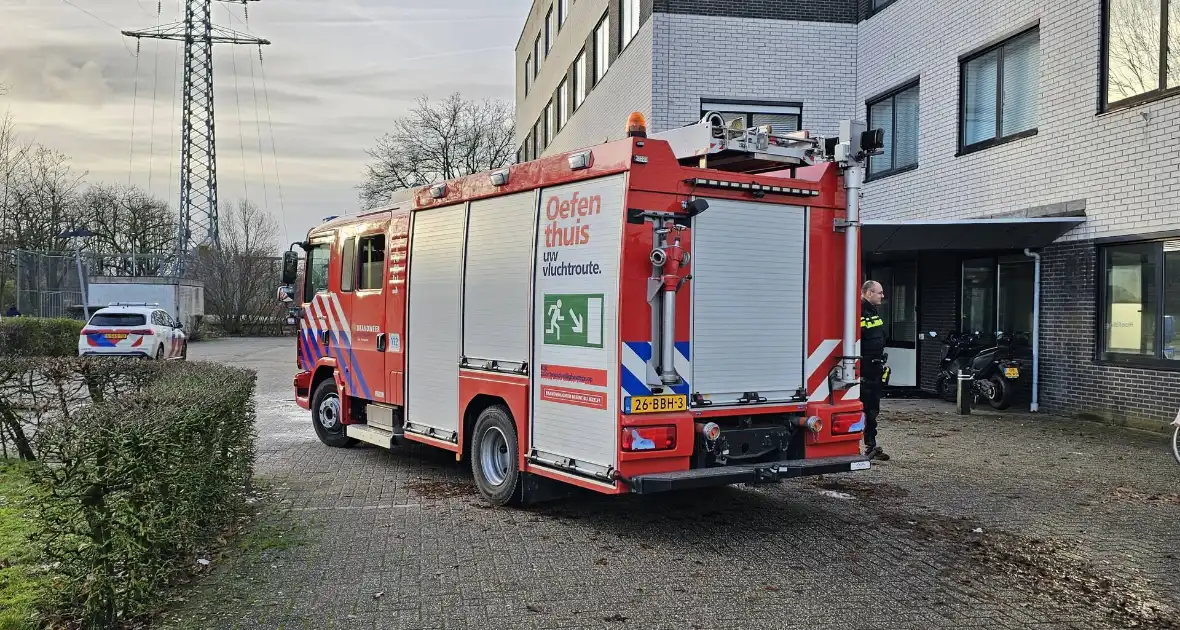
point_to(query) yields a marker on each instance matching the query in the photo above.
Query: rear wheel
(495, 456)
(327, 416)
(184, 351)
(1000, 396)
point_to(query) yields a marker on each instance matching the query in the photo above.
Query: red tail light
(141, 332)
(845, 423)
(658, 438)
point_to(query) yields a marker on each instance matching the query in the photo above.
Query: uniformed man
(872, 363)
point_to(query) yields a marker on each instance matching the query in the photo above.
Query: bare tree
(1134, 48)
(433, 143)
(241, 277)
(130, 223)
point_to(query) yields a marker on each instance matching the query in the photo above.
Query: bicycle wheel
(1176, 443)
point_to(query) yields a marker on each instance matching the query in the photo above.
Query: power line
(100, 20)
(274, 152)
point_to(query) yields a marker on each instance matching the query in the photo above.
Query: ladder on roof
(712, 143)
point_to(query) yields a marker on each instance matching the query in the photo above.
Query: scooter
(992, 370)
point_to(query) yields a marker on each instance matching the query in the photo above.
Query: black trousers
(870, 397)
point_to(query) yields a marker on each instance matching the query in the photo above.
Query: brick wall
(802, 10)
(938, 289)
(1123, 164)
(1071, 381)
(699, 57)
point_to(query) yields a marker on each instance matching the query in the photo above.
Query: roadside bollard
(963, 393)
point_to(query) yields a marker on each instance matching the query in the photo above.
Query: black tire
(495, 456)
(325, 416)
(1002, 390)
(184, 351)
(160, 352)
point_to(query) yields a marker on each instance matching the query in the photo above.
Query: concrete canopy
(963, 234)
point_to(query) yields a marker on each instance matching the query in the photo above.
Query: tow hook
(766, 474)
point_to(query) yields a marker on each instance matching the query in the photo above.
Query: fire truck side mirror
(290, 267)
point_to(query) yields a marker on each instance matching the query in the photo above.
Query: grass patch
(20, 586)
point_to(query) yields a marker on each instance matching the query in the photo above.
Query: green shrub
(32, 336)
(138, 484)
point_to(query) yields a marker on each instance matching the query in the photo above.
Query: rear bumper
(770, 472)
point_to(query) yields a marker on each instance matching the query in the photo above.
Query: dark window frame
(537, 56)
(624, 23)
(583, 82)
(528, 63)
(548, 33)
(1103, 357)
(750, 103)
(999, 138)
(875, 11)
(1104, 103)
(360, 285)
(598, 42)
(884, 96)
(562, 14)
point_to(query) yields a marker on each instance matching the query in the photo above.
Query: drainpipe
(1036, 340)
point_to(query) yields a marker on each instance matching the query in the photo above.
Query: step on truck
(653, 314)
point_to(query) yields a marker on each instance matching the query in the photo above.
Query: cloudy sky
(337, 72)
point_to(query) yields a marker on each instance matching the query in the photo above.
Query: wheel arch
(476, 406)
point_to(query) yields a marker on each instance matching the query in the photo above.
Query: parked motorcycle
(992, 370)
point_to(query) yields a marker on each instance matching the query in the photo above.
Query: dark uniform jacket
(872, 331)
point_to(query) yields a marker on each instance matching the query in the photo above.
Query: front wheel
(1176, 443)
(327, 416)
(160, 353)
(495, 456)
(1000, 397)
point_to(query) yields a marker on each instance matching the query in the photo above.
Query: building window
(549, 131)
(563, 103)
(563, 11)
(1142, 57)
(528, 64)
(628, 21)
(877, 5)
(997, 298)
(999, 92)
(548, 31)
(601, 49)
(782, 118)
(537, 56)
(897, 114)
(538, 143)
(1140, 287)
(580, 79)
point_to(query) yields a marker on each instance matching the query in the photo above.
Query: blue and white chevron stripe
(633, 370)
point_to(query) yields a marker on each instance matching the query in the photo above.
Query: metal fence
(48, 284)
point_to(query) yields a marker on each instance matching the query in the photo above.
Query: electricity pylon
(198, 150)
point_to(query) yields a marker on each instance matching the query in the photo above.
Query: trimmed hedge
(36, 337)
(139, 481)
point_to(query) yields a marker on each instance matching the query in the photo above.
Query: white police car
(133, 330)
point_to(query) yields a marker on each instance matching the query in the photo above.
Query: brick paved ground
(1079, 523)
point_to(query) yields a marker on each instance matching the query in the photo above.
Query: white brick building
(994, 108)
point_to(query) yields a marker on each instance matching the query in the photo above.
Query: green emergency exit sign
(573, 319)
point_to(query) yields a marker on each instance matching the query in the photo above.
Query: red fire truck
(652, 314)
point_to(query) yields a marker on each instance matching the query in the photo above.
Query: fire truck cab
(652, 314)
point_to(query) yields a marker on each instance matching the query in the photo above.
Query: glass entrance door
(900, 314)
